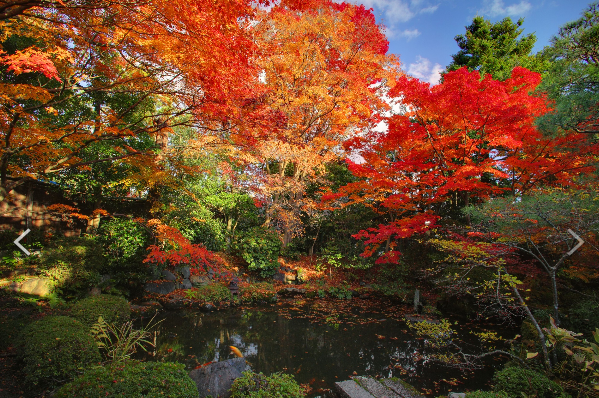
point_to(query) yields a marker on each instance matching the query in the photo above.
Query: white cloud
(410, 34)
(429, 10)
(497, 8)
(397, 11)
(423, 70)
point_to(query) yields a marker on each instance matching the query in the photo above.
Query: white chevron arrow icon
(580, 242)
(19, 239)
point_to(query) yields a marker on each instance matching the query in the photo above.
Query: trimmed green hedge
(256, 385)
(114, 310)
(517, 381)
(132, 379)
(56, 349)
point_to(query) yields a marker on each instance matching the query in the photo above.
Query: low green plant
(340, 292)
(132, 379)
(254, 292)
(260, 248)
(56, 349)
(257, 385)
(119, 342)
(516, 381)
(113, 309)
(487, 394)
(215, 292)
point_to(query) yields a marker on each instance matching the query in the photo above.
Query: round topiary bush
(56, 349)
(114, 310)
(517, 381)
(256, 385)
(132, 379)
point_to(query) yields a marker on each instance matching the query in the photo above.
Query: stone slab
(41, 287)
(401, 389)
(351, 389)
(375, 387)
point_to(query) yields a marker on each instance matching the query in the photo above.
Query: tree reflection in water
(316, 346)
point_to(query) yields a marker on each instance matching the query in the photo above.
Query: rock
(175, 302)
(216, 379)
(197, 280)
(160, 287)
(186, 284)
(290, 278)
(95, 291)
(291, 291)
(185, 272)
(208, 307)
(351, 389)
(155, 272)
(168, 275)
(279, 276)
(456, 395)
(41, 287)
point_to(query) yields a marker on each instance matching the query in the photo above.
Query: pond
(320, 342)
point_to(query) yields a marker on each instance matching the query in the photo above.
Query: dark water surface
(319, 342)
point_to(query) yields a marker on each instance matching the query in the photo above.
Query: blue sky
(422, 32)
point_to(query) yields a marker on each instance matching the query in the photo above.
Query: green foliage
(572, 79)
(119, 342)
(584, 317)
(132, 379)
(55, 349)
(260, 248)
(113, 309)
(74, 264)
(257, 385)
(255, 292)
(495, 48)
(516, 381)
(340, 292)
(486, 394)
(124, 242)
(214, 292)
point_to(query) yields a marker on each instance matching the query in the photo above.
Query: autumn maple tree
(92, 82)
(323, 67)
(461, 141)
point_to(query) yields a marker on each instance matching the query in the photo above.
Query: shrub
(132, 379)
(261, 291)
(256, 385)
(114, 310)
(584, 317)
(516, 381)
(486, 394)
(214, 292)
(55, 349)
(73, 263)
(260, 248)
(124, 242)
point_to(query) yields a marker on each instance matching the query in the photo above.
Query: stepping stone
(401, 389)
(375, 387)
(351, 389)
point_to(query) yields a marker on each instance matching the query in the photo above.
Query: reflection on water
(318, 342)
